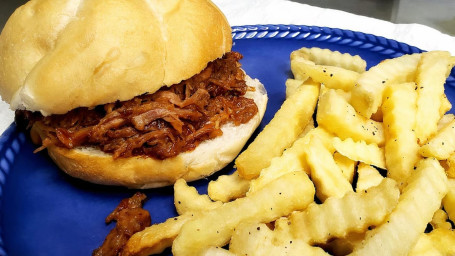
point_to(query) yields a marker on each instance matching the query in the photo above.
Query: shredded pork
(160, 125)
(130, 218)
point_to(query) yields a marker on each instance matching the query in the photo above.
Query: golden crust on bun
(59, 55)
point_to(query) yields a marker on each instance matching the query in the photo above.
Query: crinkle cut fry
(399, 118)
(331, 58)
(367, 94)
(285, 127)
(337, 217)
(419, 200)
(291, 192)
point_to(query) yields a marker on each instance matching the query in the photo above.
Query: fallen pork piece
(131, 218)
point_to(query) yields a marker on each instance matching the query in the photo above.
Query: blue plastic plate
(45, 212)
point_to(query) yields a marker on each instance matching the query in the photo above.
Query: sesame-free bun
(144, 172)
(59, 55)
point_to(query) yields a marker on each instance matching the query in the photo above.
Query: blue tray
(46, 212)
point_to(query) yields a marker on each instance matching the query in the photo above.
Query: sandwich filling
(161, 125)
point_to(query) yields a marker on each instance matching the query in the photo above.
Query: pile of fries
(369, 179)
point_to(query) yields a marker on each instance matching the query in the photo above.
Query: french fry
(308, 128)
(331, 58)
(282, 229)
(291, 192)
(450, 164)
(368, 177)
(325, 173)
(417, 204)
(287, 124)
(424, 247)
(360, 151)
(217, 251)
(442, 145)
(292, 85)
(451, 64)
(345, 94)
(228, 187)
(346, 165)
(401, 147)
(332, 77)
(337, 116)
(367, 95)
(293, 159)
(156, 238)
(445, 120)
(450, 170)
(378, 116)
(443, 240)
(258, 239)
(445, 105)
(187, 199)
(431, 76)
(449, 201)
(440, 220)
(337, 217)
(345, 245)
(297, 68)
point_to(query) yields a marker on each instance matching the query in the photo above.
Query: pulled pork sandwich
(129, 92)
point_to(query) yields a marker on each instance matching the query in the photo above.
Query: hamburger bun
(56, 56)
(60, 55)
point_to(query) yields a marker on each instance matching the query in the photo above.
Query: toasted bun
(143, 172)
(59, 55)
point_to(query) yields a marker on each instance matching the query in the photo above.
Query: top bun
(59, 55)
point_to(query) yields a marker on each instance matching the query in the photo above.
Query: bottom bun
(95, 166)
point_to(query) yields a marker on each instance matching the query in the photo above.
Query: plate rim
(319, 33)
(12, 139)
